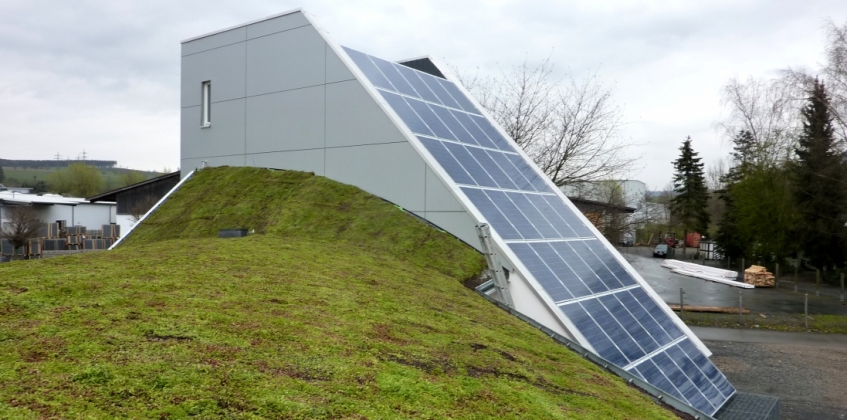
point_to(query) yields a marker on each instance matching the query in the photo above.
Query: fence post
(740, 307)
(842, 288)
(681, 305)
(806, 310)
(742, 266)
(728, 262)
(777, 275)
(817, 282)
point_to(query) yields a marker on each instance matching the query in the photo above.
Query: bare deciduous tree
(834, 74)
(769, 110)
(715, 174)
(614, 223)
(142, 206)
(23, 224)
(572, 129)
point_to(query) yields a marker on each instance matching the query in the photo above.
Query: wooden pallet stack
(111, 233)
(75, 236)
(52, 236)
(35, 247)
(758, 276)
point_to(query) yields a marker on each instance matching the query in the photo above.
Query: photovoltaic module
(608, 306)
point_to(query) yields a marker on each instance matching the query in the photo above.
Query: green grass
(293, 205)
(831, 324)
(357, 320)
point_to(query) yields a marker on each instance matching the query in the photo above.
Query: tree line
(782, 192)
(78, 180)
(42, 164)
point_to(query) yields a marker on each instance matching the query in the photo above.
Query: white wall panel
(304, 160)
(51, 214)
(126, 222)
(458, 223)
(354, 118)
(224, 137)
(215, 41)
(286, 60)
(278, 24)
(527, 302)
(438, 196)
(93, 216)
(290, 120)
(223, 66)
(336, 70)
(391, 171)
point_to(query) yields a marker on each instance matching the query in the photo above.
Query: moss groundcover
(365, 318)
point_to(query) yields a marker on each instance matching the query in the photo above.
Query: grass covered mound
(282, 325)
(295, 205)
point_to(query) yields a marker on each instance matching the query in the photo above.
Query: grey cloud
(104, 76)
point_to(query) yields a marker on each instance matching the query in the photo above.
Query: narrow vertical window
(206, 117)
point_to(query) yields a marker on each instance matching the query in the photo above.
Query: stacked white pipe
(717, 275)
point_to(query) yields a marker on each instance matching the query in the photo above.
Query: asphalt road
(706, 293)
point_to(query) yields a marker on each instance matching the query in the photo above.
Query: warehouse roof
(15, 198)
(113, 195)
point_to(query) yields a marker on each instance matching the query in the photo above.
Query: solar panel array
(595, 292)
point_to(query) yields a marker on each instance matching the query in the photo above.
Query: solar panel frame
(523, 159)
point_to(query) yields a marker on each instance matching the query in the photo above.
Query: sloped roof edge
(106, 195)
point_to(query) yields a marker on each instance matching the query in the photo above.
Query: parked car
(661, 251)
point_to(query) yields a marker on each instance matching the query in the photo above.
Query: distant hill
(43, 164)
(36, 173)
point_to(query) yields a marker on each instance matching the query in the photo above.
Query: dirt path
(811, 382)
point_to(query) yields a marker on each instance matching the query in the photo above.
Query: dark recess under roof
(425, 65)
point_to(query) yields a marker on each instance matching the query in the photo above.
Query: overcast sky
(103, 76)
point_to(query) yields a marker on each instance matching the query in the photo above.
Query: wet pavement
(705, 293)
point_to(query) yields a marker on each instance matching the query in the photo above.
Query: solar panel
(604, 302)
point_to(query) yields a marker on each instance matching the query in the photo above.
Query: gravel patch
(809, 381)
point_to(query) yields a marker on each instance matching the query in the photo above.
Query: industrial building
(134, 200)
(52, 207)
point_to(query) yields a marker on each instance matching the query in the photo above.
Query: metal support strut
(495, 270)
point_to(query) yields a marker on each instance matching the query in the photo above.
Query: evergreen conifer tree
(2, 175)
(690, 205)
(729, 239)
(819, 178)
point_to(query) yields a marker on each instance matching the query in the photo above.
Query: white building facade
(52, 207)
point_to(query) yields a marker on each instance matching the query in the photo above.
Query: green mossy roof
(341, 306)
